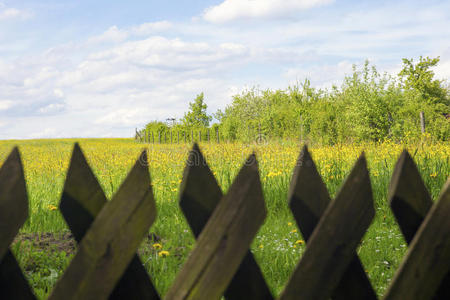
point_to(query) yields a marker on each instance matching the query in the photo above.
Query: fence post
(422, 121)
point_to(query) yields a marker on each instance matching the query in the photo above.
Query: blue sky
(102, 68)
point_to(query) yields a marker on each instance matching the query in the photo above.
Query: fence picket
(225, 240)
(427, 261)
(408, 197)
(199, 195)
(81, 201)
(332, 244)
(410, 203)
(102, 258)
(308, 200)
(13, 200)
(13, 213)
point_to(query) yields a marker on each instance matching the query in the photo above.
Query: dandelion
(300, 242)
(289, 223)
(52, 207)
(163, 253)
(433, 175)
(261, 246)
(293, 230)
(157, 246)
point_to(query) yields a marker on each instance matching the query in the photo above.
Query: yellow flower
(289, 223)
(300, 242)
(163, 253)
(157, 246)
(433, 175)
(52, 207)
(293, 230)
(261, 246)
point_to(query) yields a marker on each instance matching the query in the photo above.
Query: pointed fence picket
(108, 233)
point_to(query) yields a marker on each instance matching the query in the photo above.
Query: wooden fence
(176, 137)
(108, 234)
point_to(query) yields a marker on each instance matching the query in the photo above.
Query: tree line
(368, 106)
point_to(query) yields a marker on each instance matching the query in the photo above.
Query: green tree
(197, 116)
(419, 77)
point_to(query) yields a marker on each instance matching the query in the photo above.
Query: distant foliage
(368, 106)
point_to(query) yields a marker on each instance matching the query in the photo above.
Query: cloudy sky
(101, 68)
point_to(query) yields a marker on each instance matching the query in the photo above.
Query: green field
(44, 247)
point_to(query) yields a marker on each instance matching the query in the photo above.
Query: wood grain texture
(225, 240)
(111, 242)
(13, 200)
(408, 197)
(82, 199)
(332, 244)
(427, 261)
(308, 200)
(199, 196)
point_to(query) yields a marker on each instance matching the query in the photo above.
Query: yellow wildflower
(300, 242)
(293, 230)
(157, 246)
(52, 207)
(163, 253)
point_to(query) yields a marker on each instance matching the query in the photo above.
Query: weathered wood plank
(411, 202)
(224, 241)
(199, 195)
(13, 284)
(81, 201)
(111, 242)
(428, 258)
(13, 200)
(332, 244)
(408, 197)
(308, 200)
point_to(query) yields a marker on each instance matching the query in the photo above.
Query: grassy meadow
(278, 245)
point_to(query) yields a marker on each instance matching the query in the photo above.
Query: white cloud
(5, 104)
(442, 70)
(9, 13)
(52, 108)
(151, 28)
(113, 34)
(321, 76)
(46, 133)
(230, 10)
